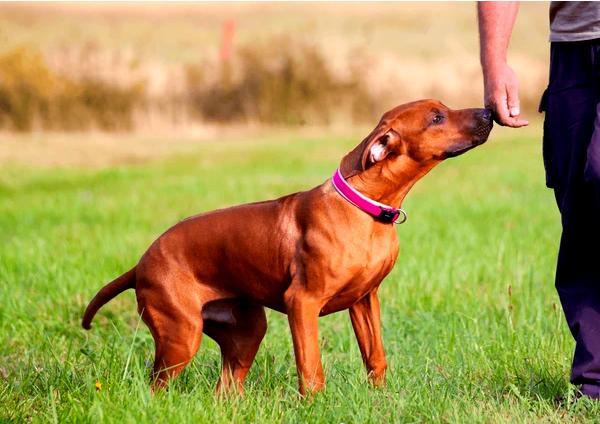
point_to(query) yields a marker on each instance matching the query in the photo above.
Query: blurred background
(164, 67)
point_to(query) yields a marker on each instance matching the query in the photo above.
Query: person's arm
(496, 20)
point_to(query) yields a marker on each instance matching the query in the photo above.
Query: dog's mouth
(465, 147)
(480, 136)
(459, 151)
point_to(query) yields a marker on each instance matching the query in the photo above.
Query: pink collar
(378, 210)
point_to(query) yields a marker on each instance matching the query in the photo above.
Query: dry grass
(184, 32)
(96, 150)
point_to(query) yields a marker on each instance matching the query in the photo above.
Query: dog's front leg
(303, 316)
(367, 327)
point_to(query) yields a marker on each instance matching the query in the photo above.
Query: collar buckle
(388, 215)
(392, 216)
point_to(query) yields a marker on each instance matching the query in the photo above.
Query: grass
(471, 321)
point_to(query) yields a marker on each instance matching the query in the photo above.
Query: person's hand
(502, 95)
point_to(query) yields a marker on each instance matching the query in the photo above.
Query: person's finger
(514, 107)
(502, 117)
(517, 122)
(512, 93)
(503, 110)
(500, 108)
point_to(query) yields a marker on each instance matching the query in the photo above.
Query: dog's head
(425, 131)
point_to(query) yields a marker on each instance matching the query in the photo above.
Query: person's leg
(570, 145)
(592, 166)
(586, 362)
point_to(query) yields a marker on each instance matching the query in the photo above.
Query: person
(571, 154)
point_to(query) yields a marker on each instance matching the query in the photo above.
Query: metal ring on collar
(402, 217)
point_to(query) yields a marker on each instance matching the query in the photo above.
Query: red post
(227, 41)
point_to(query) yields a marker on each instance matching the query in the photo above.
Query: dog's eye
(438, 119)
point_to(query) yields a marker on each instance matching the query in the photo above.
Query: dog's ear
(374, 148)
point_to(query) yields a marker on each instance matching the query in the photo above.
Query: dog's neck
(389, 182)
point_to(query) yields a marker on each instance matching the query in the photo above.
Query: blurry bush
(26, 89)
(281, 83)
(32, 96)
(284, 83)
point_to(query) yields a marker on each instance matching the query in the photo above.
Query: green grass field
(472, 325)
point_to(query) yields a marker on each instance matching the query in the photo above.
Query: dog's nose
(486, 114)
(482, 123)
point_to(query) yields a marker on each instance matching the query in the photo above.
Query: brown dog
(307, 254)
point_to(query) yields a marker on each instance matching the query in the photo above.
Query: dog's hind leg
(175, 321)
(238, 328)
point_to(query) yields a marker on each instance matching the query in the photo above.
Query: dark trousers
(572, 159)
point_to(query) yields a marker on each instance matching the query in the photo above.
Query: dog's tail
(106, 293)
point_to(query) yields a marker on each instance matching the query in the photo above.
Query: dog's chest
(360, 273)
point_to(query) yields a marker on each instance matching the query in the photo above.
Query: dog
(307, 255)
